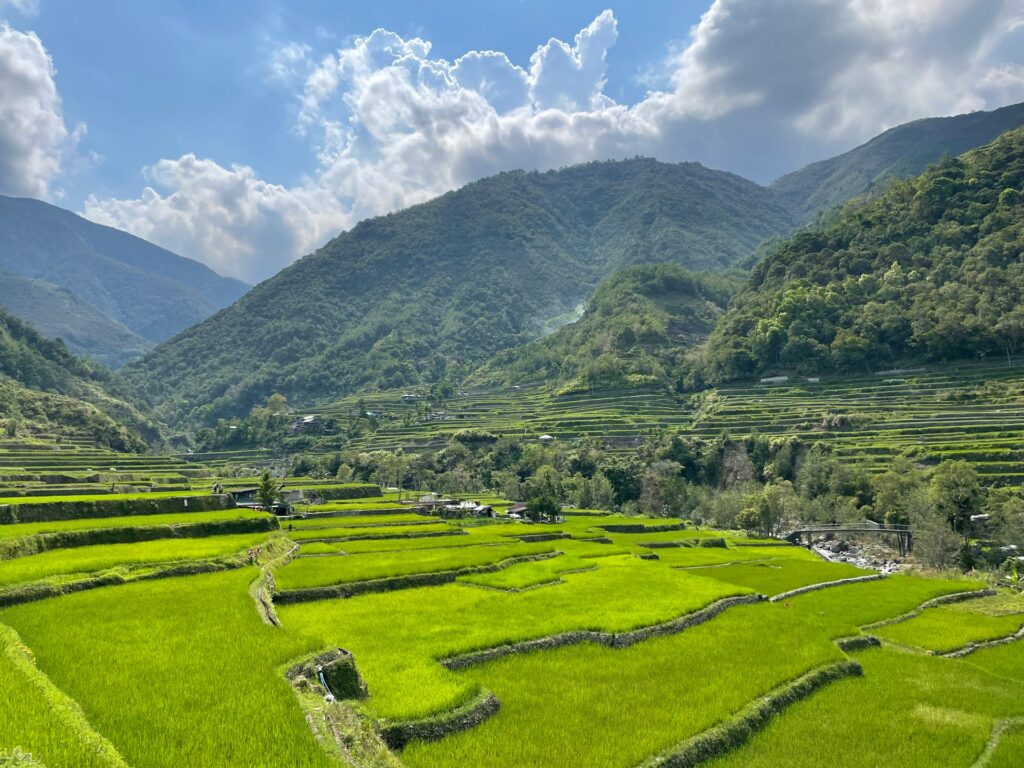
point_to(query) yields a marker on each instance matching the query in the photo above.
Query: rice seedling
(397, 637)
(392, 531)
(846, 608)
(39, 720)
(948, 627)
(907, 711)
(16, 530)
(68, 563)
(1005, 661)
(686, 557)
(1010, 751)
(304, 573)
(771, 577)
(526, 575)
(666, 689)
(358, 521)
(175, 672)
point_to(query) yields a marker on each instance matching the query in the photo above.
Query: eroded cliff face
(736, 465)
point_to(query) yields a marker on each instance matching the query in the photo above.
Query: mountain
(433, 291)
(60, 314)
(151, 291)
(903, 151)
(632, 333)
(46, 389)
(930, 270)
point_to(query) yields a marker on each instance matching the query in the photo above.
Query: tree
(268, 491)
(277, 403)
(767, 511)
(892, 490)
(935, 543)
(957, 493)
(540, 506)
(664, 490)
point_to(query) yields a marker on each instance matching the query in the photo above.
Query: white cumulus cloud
(34, 140)
(758, 87)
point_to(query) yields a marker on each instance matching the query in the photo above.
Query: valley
(594, 459)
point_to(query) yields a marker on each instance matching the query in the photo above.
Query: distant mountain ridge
(152, 292)
(931, 270)
(45, 389)
(60, 314)
(903, 151)
(433, 291)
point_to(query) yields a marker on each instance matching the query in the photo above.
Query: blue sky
(156, 79)
(246, 134)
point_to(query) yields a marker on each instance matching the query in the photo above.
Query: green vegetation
(304, 573)
(947, 628)
(65, 564)
(906, 150)
(432, 623)
(135, 521)
(633, 333)
(906, 711)
(37, 719)
(138, 285)
(430, 293)
(45, 389)
(772, 577)
(928, 271)
(173, 672)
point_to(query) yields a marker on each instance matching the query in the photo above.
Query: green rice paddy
(592, 650)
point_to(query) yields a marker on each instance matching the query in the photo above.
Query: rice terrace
(512, 385)
(365, 630)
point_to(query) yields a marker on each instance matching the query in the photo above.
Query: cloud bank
(34, 140)
(758, 87)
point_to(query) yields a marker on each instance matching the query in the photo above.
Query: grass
(907, 711)
(39, 720)
(175, 672)
(304, 573)
(356, 521)
(135, 521)
(559, 702)
(687, 557)
(771, 577)
(65, 564)
(381, 532)
(666, 689)
(948, 627)
(103, 497)
(527, 575)
(431, 623)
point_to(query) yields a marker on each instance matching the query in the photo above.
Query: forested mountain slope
(931, 270)
(435, 290)
(633, 332)
(60, 314)
(151, 291)
(906, 150)
(44, 388)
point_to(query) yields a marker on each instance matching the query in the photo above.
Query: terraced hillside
(970, 412)
(621, 418)
(466, 641)
(975, 413)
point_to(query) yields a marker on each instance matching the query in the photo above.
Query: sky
(245, 134)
